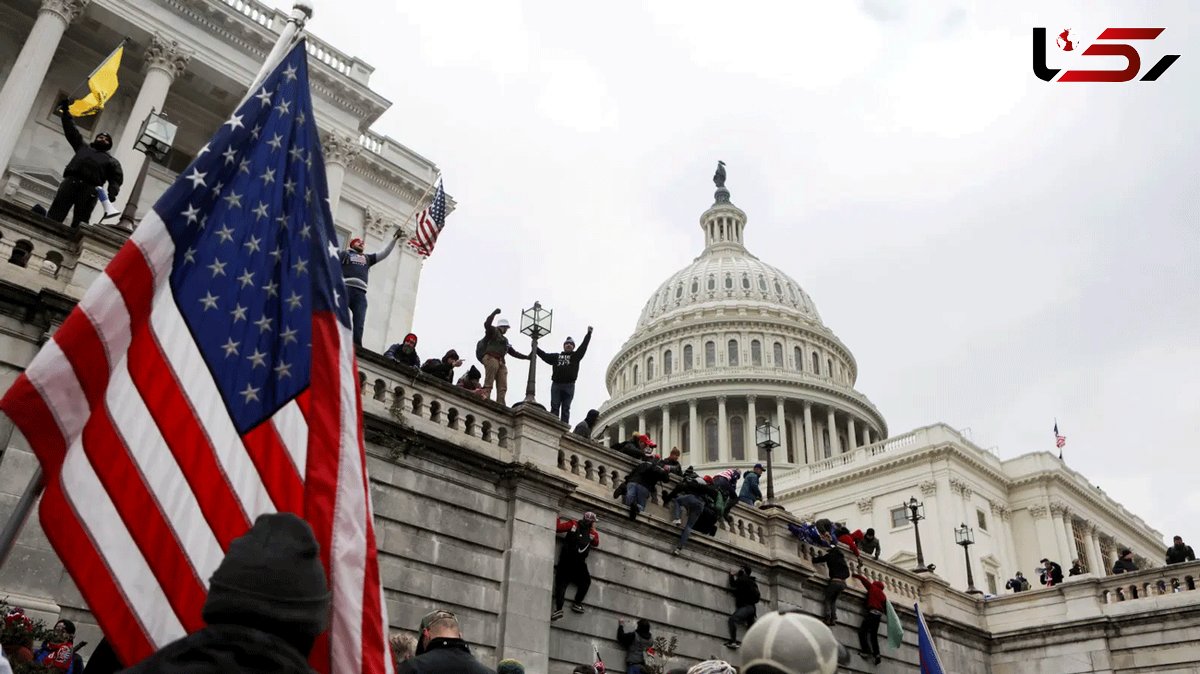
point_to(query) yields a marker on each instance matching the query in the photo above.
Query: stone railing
(274, 20)
(397, 154)
(1150, 583)
(37, 253)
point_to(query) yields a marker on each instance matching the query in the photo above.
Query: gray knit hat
(789, 643)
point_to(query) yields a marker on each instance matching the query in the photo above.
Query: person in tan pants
(495, 347)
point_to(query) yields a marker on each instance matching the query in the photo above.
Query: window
(762, 283)
(21, 252)
(799, 357)
(635, 375)
(1081, 547)
(829, 367)
(816, 363)
(710, 440)
(710, 354)
(745, 281)
(756, 353)
(777, 354)
(712, 282)
(729, 281)
(899, 517)
(695, 286)
(650, 368)
(982, 519)
(667, 362)
(737, 438)
(778, 289)
(679, 291)
(685, 437)
(791, 442)
(732, 353)
(991, 582)
(687, 357)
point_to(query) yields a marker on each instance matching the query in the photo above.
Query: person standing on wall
(491, 351)
(566, 371)
(91, 167)
(355, 267)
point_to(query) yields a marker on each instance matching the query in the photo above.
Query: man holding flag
(90, 168)
(208, 378)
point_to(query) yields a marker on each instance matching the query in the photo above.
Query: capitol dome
(730, 342)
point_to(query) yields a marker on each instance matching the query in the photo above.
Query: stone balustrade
(36, 253)
(1149, 583)
(274, 20)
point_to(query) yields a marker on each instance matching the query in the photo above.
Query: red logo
(1106, 45)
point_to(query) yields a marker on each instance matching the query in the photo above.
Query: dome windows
(687, 357)
(667, 363)
(732, 353)
(712, 282)
(737, 438)
(745, 281)
(798, 356)
(756, 358)
(710, 354)
(711, 444)
(777, 353)
(635, 375)
(762, 283)
(816, 363)
(729, 281)
(778, 288)
(650, 368)
(695, 285)
(679, 291)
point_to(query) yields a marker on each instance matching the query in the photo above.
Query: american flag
(429, 224)
(1060, 441)
(182, 396)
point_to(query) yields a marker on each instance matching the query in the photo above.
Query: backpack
(480, 347)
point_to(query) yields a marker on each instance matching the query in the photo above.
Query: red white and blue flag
(1060, 440)
(206, 378)
(931, 662)
(429, 224)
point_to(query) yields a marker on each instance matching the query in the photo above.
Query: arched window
(667, 362)
(799, 358)
(777, 353)
(635, 375)
(829, 368)
(711, 452)
(778, 288)
(729, 281)
(650, 368)
(679, 291)
(53, 262)
(816, 363)
(687, 357)
(732, 353)
(745, 281)
(712, 282)
(762, 283)
(737, 438)
(756, 353)
(21, 252)
(791, 442)
(695, 286)
(685, 437)
(710, 354)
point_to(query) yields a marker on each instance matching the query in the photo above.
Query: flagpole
(75, 92)
(302, 11)
(420, 201)
(16, 521)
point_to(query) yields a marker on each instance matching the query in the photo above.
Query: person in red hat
(579, 539)
(355, 267)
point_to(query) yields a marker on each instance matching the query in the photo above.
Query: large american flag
(429, 224)
(207, 377)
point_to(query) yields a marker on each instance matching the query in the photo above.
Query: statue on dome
(719, 176)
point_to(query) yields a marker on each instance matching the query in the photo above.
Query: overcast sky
(995, 250)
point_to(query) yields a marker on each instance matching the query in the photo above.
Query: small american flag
(429, 224)
(1060, 441)
(208, 377)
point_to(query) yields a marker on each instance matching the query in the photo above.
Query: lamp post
(766, 436)
(154, 140)
(966, 538)
(916, 513)
(535, 322)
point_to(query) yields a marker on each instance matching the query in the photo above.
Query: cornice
(66, 10)
(1119, 516)
(167, 55)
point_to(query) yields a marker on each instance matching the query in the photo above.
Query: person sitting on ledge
(405, 352)
(587, 427)
(637, 446)
(472, 381)
(444, 368)
(1125, 563)
(1076, 568)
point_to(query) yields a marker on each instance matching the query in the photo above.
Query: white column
(867, 435)
(25, 79)
(851, 439)
(694, 448)
(641, 422)
(834, 447)
(781, 421)
(809, 445)
(752, 416)
(339, 151)
(1060, 533)
(1096, 565)
(665, 440)
(1071, 547)
(621, 437)
(165, 60)
(722, 431)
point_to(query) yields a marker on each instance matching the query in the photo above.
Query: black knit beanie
(272, 580)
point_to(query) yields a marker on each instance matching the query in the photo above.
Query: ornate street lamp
(767, 438)
(154, 140)
(535, 322)
(916, 513)
(966, 538)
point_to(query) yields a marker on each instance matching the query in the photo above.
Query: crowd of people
(1050, 573)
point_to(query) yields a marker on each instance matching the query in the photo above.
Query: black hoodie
(835, 561)
(566, 365)
(91, 164)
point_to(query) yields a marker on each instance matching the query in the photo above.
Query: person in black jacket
(745, 600)
(91, 167)
(267, 603)
(1180, 553)
(587, 427)
(641, 482)
(1125, 563)
(441, 649)
(637, 446)
(566, 371)
(443, 369)
(405, 352)
(1076, 568)
(839, 571)
(693, 495)
(1051, 574)
(578, 540)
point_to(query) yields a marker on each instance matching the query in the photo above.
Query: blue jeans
(561, 396)
(695, 506)
(356, 300)
(634, 669)
(637, 493)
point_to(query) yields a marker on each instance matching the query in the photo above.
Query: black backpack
(480, 347)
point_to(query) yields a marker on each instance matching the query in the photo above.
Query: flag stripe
(375, 640)
(29, 412)
(350, 522)
(293, 433)
(274, 464)
(56, 382)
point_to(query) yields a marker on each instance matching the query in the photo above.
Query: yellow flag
(102, 83)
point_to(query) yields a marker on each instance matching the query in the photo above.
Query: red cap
(356, 241)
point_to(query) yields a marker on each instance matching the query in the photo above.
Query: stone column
(165, 60)
(809, 447)
(750, 425)
(851, 439)
(722, 431)
(834, 449)
(1072, 549)
(621, 437)
(781, 421)
(1057, 512)
(29, 71)
(641, 422)
(339, 151)
(665, 441)
(867, 435)
(1096, 563)
(694, 448)
(1044, 530)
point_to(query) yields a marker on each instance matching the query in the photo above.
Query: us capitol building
(730, 342)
